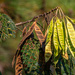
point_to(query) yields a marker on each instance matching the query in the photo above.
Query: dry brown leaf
(65, 56)
(41, 37)
(22, 41)
(24, 31)
(18, 66)
(39, 34)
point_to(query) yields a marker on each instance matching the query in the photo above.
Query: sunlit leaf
(71, 37)
(72, 20)
(61, 34)
(48, 51)
(55, 40)
(66, 40)
(49, 31)
(71, 32)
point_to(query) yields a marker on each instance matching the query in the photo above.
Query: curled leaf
(22, 42)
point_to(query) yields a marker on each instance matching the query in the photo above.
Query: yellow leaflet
(73, 20)
(71, 37)
(66, 42)
(65, 55)
(55, 40)
(56, 44)
(48, 51)
(60, 34)
(71, 32)
(49, 31)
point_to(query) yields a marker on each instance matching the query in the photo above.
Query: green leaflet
(55, 40)
(48, 51)
(49, 31)
(71, 37)
(60, 34)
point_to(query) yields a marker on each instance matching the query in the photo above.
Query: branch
(33, 19)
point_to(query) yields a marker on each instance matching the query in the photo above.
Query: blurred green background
(23, 10)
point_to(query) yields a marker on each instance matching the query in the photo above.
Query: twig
(39, 24)
(19, 29)
(33, 19)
